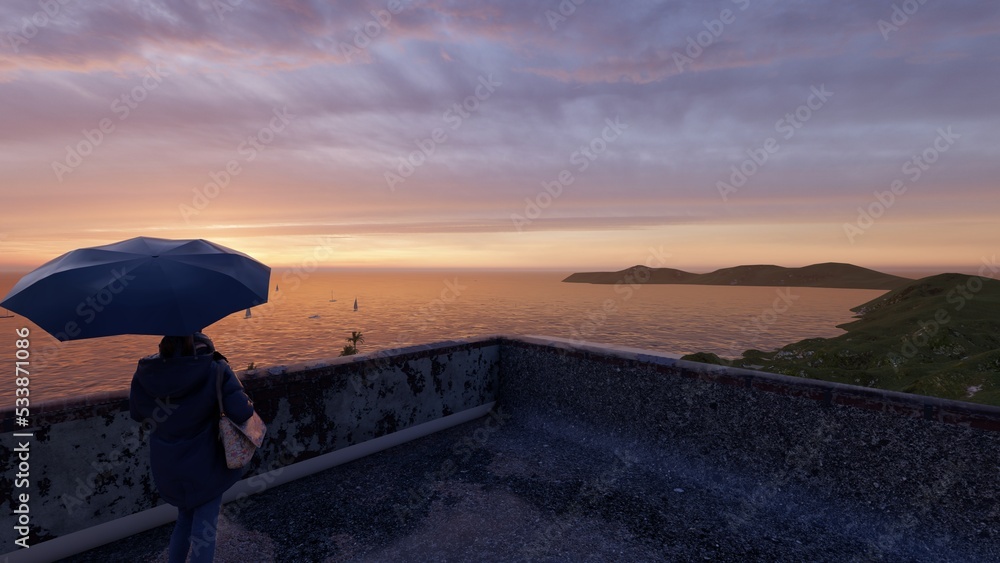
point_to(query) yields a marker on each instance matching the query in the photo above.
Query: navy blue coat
(176, 396)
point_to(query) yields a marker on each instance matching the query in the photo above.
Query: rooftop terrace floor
(539, 486)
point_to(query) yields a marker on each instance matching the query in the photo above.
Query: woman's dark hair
(173, 346)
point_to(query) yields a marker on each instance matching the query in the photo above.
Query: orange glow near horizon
(698, 248)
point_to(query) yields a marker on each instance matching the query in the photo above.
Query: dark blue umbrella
(139, 286)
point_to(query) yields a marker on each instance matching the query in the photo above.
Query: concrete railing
(89, 461)
(919, 463)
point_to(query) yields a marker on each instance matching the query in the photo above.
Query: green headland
(937, 336)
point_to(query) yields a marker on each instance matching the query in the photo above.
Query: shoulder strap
(218, 387)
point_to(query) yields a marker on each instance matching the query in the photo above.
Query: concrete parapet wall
(89, 462)
(924, 462)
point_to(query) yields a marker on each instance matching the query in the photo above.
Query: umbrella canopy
(139, 286)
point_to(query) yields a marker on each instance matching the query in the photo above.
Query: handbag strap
(218, 388)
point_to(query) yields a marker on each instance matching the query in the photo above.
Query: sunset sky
(423, 133)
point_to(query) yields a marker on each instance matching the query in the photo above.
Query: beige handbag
(239, 440)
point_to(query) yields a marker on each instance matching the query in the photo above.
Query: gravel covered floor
(541, 488)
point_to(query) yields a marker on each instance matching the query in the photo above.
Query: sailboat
(248, 314)
(331, 297)
(355, 303)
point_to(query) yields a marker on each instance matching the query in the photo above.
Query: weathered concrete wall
(923, 461)
(920, 461)
(89, 462)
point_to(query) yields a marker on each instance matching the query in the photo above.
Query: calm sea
(310, 316)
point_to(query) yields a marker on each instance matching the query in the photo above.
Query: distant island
(937, 336)
(829, 275)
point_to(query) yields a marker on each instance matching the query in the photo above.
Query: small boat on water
(355, 303)
(331, 297)
(248, 314)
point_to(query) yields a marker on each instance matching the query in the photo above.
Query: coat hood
(173, 377)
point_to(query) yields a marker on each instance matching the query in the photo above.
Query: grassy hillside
(937, 336)
(831, 275)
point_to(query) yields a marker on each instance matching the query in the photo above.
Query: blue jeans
(195, 526)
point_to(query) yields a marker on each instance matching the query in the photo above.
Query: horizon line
(941, 269)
